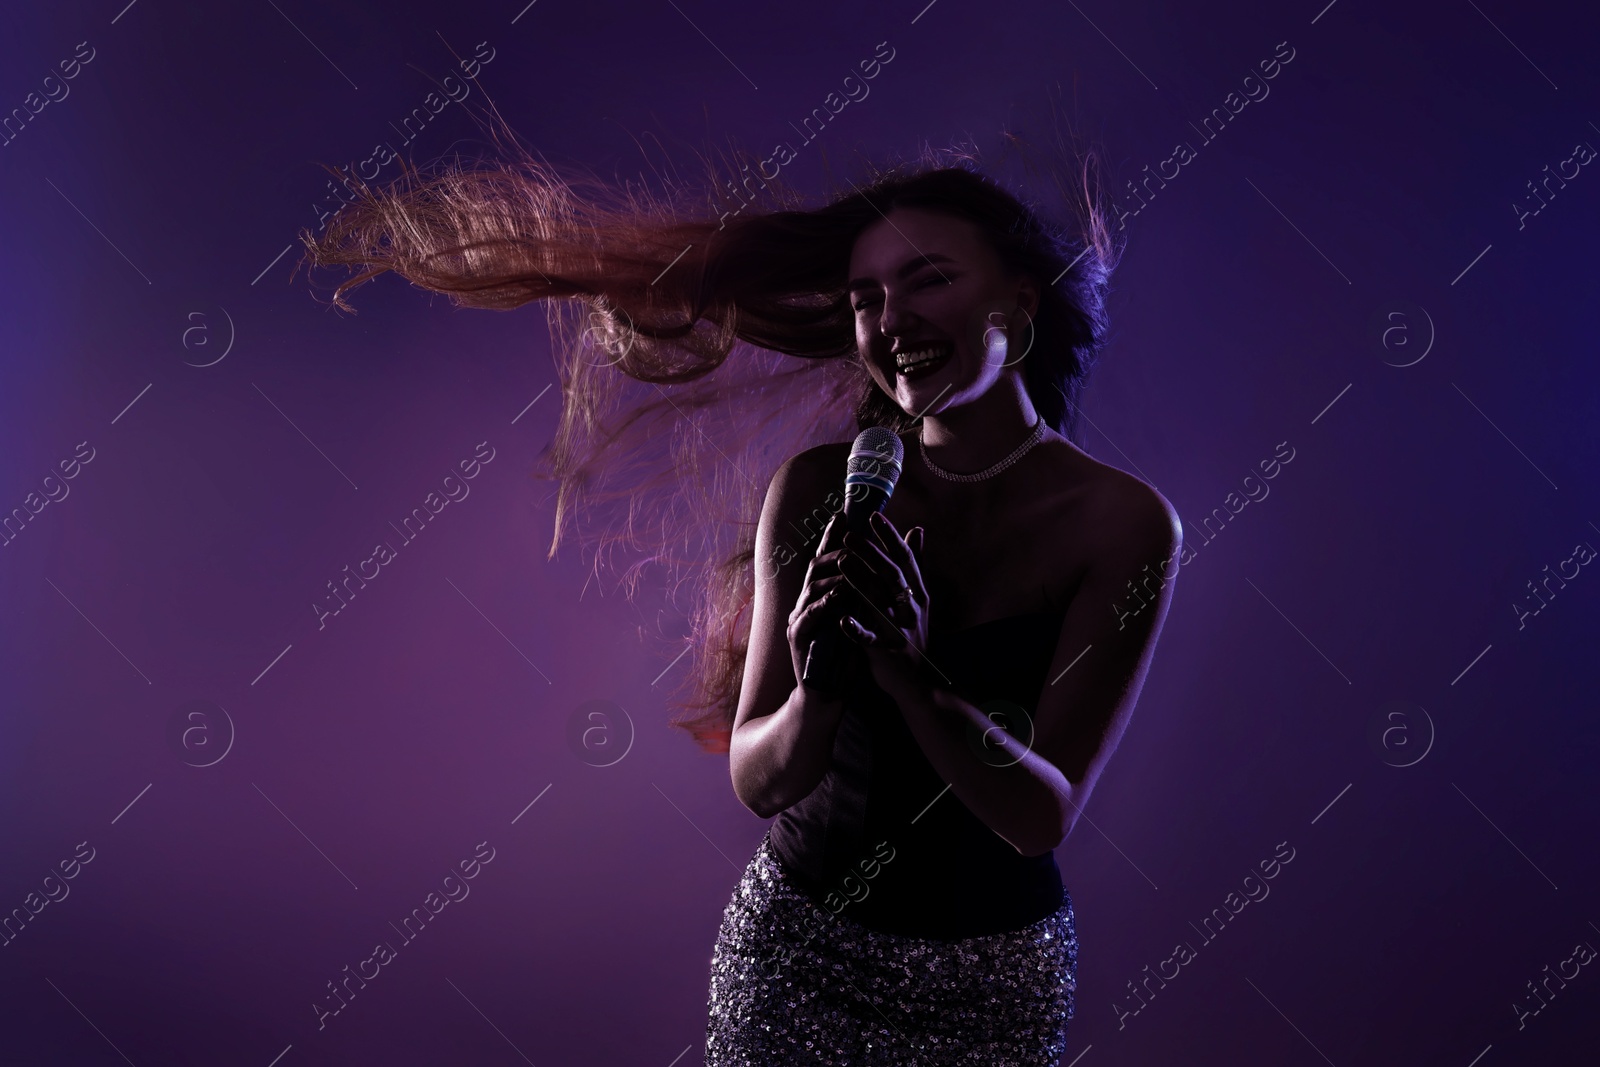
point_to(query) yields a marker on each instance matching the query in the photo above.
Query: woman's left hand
(893, 626)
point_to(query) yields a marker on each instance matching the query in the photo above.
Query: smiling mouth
(920, 361)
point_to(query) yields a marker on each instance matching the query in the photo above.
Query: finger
(856, 632)
(882, 633)
(831, 533)
(877, 562)
(819, 588)
(894, 546)
(834, 554)
(817, 613)
(914, 572)
(837, 595)
(907, 559)
(883, 528)
(877, 589)
(822, 565)
(882, 626)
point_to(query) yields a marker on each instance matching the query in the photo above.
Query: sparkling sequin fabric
(794, 984)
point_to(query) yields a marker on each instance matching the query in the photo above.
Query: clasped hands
(883, 599)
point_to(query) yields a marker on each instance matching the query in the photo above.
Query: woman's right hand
(823, 597)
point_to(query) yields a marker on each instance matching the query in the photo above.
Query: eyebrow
(906, 269)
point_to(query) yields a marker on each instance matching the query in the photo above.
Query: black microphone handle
(821, 670)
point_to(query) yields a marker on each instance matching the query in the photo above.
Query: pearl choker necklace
(1034, 437)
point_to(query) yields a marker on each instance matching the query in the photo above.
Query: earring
(1004, 346)
(992, 345)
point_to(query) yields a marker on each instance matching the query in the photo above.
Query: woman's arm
(783, 732)
(778, 758)
(1034, 795)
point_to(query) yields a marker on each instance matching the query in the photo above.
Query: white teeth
(912, 360)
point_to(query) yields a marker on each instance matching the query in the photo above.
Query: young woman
(905, 905)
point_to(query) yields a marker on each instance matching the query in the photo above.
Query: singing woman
(905, 905)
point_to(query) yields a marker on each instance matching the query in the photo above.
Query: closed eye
(932, 279)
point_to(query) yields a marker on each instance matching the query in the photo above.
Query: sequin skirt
(793, 983)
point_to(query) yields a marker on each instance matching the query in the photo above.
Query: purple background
(424, 718)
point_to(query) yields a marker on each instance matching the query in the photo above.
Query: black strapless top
(852, 844)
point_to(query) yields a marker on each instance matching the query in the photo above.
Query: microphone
(871, 474)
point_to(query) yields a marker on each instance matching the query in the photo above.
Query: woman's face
(923, 284)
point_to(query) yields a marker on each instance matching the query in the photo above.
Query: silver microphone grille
(875, 460)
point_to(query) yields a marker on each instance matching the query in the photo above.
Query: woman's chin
(917, 394)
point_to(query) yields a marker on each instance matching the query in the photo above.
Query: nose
(895, 319)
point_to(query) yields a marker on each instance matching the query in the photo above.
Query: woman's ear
(1028, 296)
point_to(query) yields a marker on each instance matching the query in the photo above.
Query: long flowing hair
(701, 342)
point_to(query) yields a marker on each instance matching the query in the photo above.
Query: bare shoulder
(816, 463)
(1125, 513)
(806, 489)
(802, 481)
